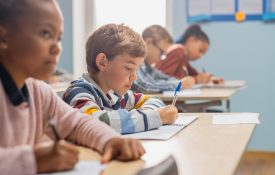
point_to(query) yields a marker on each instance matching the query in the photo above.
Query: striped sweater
(133, 112)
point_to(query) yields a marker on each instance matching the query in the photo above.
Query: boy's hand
(54, 158)
(122, 149)
(217, 80)
(168, 114)
(187, 82)
(203, 78)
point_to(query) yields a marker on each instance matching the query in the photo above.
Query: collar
(111, 97)
(147, 68)
(15, 95)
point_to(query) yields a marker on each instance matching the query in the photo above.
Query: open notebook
(164, 132)
(183, 93)
(230, 84)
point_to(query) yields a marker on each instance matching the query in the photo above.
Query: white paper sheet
(236, 119)
(229, 84)
(83, 168)
(184, 93)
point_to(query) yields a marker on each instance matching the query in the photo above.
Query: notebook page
(164, 132)
(83, 168)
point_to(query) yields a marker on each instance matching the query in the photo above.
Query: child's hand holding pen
(210, 78)
(217, 80)
(57, 156)
(203, 78)
(168, 114)
(187, 82)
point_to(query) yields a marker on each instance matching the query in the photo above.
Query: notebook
(83, 167)
(230, 84)
(183, 93)
(164, 132)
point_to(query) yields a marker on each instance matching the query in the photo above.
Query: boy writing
(113, 55)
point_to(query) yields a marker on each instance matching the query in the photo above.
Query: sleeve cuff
(153, 119)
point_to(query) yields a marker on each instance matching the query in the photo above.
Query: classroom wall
(67, 54)
(241, 51)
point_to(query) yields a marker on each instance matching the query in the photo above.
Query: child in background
(150, 79)
(30, 33)
(194, 44)
(113, 55)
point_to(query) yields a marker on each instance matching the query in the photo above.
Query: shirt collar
(15, 95)
(111, 96)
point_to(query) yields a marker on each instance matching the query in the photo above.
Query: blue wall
(67, 54)
(242, 51)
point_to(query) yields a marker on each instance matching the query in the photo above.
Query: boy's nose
(133, 77)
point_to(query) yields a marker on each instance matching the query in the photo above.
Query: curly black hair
(10, 10)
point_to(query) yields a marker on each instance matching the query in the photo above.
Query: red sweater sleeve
(176, 64)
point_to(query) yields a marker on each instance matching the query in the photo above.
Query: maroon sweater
(176, 64)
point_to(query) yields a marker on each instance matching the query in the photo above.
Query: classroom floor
(257, 163)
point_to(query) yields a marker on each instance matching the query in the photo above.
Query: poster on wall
(230, 10)
(198, 10)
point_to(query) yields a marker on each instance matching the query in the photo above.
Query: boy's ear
(101, 61)
(3, 38)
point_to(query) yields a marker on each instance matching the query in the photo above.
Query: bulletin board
(230, 10)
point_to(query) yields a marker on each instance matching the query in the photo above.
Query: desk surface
(200, 149)
(206, 94)
(60, 86)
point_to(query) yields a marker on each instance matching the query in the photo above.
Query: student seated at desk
(193, 44)
(30, 32)
(113, 55)
(150, 79)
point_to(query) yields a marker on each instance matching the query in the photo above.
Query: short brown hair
(157, 33)
(112, 40)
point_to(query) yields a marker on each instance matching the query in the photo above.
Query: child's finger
(125, 152)
(69, 147)
(141, 149)
(134, 150)
(107, 155)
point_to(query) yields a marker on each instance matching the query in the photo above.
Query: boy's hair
(195, 31)
(113, 40)
(157, 33)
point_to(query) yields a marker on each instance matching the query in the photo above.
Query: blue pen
(176, 92)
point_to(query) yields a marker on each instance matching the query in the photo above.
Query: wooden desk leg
(228, 106)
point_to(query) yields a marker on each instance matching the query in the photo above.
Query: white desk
(200, 149)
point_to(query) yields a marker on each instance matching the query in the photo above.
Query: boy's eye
(128, 68)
